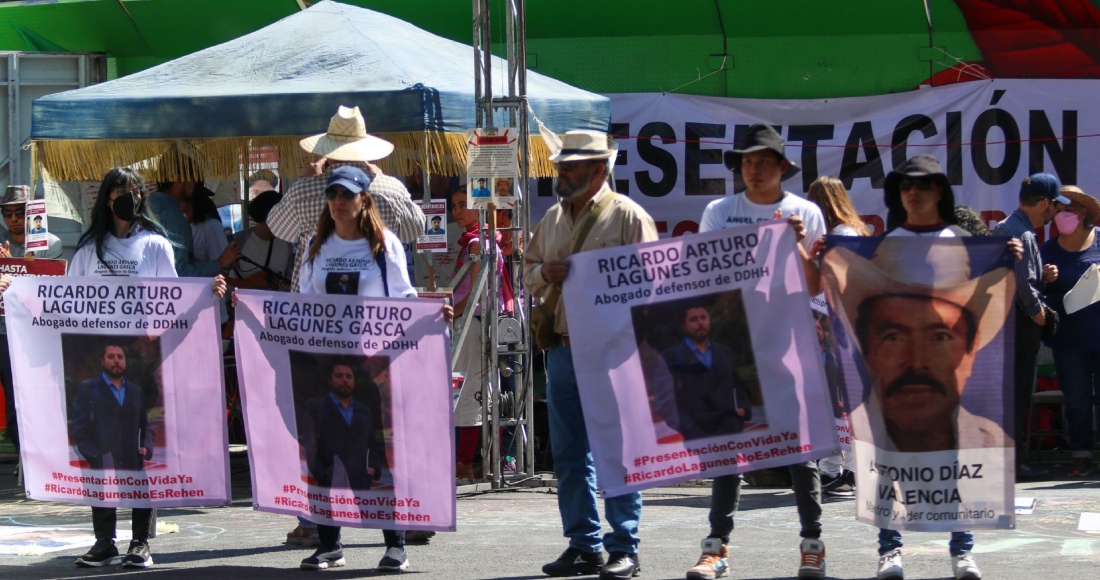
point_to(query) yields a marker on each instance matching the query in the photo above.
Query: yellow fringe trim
(221, 158)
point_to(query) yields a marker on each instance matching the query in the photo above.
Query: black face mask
(126, 206)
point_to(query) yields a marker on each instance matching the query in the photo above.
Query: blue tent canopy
(287, 80)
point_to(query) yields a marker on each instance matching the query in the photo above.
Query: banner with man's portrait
(119, 390)
(925, 329)
(696, 357)
(347, 408)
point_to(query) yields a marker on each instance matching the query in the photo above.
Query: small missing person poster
(492, 172)
(434, 237)
(37, 231)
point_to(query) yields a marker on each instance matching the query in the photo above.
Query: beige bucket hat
(583, 145)
(347, 139)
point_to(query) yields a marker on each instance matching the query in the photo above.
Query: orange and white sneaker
(813, 559)
(713, 563)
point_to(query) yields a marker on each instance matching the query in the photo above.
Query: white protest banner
(348, 409)
(119, 389)
(491, 167)
(927, 326)
(987, 135)
(696, 357)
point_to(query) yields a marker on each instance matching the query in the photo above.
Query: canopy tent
(268, 88)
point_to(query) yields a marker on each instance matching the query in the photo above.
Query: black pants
(330, 537)
(725, 495)
(9, 390)
(1027, 348)
(104, 520)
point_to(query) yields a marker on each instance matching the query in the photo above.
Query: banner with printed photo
(696, 357)
(834, 376)
(348, 409)
(119, 390)
(926, 328)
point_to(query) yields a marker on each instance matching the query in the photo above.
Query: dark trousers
(1027, 348)
(330, 537)
(726, 494)
(9, 390)
(104, 520)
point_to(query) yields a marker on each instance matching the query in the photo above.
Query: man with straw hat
(346, 142)
(590, 216)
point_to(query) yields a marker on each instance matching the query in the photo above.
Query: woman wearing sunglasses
(353, 253)
(124, 239)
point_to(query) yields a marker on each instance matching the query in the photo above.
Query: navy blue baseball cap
(1044, 184)
(351, 177)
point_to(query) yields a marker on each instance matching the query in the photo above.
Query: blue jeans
(891, 539)
(575, 472)
(1078, 375)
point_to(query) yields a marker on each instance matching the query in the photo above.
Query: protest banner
(655, 413)
(987, 135)
(19, 267)
(926, 327)
(119, 389)
(347, 408)
(491, 168)
(834, 376)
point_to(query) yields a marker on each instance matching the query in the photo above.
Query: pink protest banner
(658, 413)
(19, 267)
(348, 409)
(119, 389)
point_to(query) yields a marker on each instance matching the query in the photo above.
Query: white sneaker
(813, 559)
(889, 566)
(965, 567)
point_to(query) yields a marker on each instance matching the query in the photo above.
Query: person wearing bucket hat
(345, 143)
(12, 245)
(588, 217)
(1039, 201)
(1075, 251)
(763, 165)
(919, 180)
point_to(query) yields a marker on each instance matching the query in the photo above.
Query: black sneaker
(829, 483)
(103, 553)
(394, 560)
(324, 558)
(574, 562)
(138, 555)
(621, 566)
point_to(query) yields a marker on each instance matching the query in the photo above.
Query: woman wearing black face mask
(124, 239)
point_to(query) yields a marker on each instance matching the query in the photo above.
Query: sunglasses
(13, 212)
(334, 192)
(921, 183)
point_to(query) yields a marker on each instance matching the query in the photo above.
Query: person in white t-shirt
(762, 163)
(353, 253)
(124, 239)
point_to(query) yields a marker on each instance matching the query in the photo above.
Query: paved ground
(510, 534)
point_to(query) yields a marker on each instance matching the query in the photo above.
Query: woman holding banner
(350, 231)
(124, 239)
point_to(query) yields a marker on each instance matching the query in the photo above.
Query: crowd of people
(346, 209)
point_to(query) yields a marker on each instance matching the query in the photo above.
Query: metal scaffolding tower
(515, 357)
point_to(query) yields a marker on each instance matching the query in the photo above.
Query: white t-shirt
(737, 210)
(947, 232)
(141, 253)
(844, 230)
(209, 240)
(348, 267)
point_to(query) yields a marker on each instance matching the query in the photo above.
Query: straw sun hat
(347, 139)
